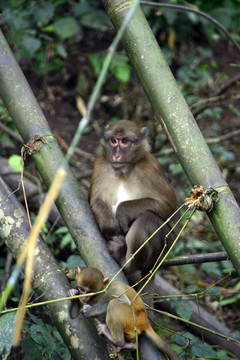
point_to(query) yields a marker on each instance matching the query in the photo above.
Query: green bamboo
(48, 281)
(178, 122)
(72, 204)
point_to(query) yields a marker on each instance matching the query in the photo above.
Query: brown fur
(151, 197)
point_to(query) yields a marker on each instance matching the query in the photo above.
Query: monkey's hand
(87, 310)
(73, 292)
(130, 210)
(124, 217)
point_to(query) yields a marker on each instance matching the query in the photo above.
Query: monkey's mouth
(117, 165)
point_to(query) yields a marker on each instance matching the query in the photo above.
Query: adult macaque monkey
(130, 195)
(116, 304)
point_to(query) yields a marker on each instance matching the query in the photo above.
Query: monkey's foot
(127, 347)
(102, 329)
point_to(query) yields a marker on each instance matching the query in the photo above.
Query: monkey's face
(83, 290)
(124, 143)
(119, 151)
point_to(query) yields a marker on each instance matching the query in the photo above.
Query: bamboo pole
(178, 122)
(72, 204)
(48, 281)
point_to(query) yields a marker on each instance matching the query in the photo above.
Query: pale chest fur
(121, 195)
(120, 192)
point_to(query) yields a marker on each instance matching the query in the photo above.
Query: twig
(62, 143)
(201, 105)
(208, 141)
(11, 133)
(224, 87)
(197, 325)
(223, 137)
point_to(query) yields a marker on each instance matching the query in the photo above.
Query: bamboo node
(202, 199)
(34, 145)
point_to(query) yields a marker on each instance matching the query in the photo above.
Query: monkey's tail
(162, 345)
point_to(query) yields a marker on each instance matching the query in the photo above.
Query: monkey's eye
(113, 141)
(125, 141)
(82, 289)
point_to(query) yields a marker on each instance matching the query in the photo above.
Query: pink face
(119, 145)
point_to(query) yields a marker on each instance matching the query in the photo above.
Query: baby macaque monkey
(117, 304)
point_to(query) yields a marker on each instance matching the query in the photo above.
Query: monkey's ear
(106, 281)
(78, 270)
(146, 131)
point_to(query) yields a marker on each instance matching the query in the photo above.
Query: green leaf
(191, 289)
(66, 27)
(31, 43)
(232, 300)
(81, 8)
(215, 291)
(74, 260)
(41, 336)
(183, 338)
(120, 68)
(202, 350)
(49, 28)
(228, 156)
(31, 349)
(96, 61)
(34, 318)
(61, 51)
(15, 162)
(184, 309)
(211, 268)
(67, 240)
(43, 12)
(62, 230)
(95, 19)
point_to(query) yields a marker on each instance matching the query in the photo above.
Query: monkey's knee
(117, 247)
(141, 229)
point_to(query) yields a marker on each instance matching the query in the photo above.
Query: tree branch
(196, 259)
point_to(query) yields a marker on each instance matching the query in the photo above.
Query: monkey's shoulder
(150, 163)
(150, 173)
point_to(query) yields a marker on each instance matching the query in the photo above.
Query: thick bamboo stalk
(48, 281)
(30, 121)
(178, 122)
(73, 206)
